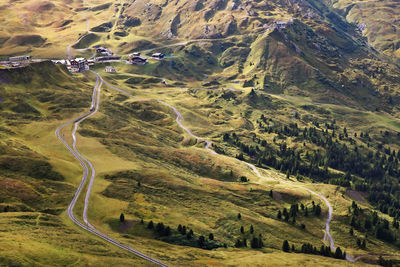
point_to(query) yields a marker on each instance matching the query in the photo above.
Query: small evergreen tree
(255, 243)
(211, 236)
(251, 229)
(167, 231)
(279, 216)
(201, 241)
(160, 227)
(150, 225)
(285, 246)
(242, 229)
(381, 261)
(122, 217)
(238, 243)
(239, 216)
(190, 234)
(260, 243)
(317, 210)
(338, 253)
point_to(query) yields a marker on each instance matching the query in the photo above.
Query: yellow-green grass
(150, 210)
(183, 183)
(41, 239)
(340, 209)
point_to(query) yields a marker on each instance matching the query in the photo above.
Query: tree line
(365, 163)
(308, 248)
(183, 235)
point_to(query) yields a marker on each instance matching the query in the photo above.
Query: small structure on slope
(19, 58)
(137, 59)
(110, 69)
(158, 56)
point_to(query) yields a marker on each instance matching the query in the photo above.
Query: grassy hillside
(310, 103)
(376, 20)
(204, 192)
(37, 176)
(316, 54)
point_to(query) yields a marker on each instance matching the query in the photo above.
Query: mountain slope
(292, 87)
(377, 20)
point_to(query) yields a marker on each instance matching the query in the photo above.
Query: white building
(110, 69)
(77, 65)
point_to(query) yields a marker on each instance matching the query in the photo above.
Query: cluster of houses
(76, 65)
(79, 65)
(137, 59)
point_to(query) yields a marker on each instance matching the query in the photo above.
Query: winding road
(179, 118)
(327, 236)
(88, 167)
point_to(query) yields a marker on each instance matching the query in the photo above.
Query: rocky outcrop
(198, 5)
(172, 30)
(214, 7)
(231, 27)
(132, 22)
(210, 31)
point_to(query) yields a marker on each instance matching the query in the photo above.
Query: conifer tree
(285, 246)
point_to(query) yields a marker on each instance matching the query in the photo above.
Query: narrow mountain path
(327, 234)
(179, 118)
(88, 167)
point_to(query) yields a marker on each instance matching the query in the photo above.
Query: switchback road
(88, 167)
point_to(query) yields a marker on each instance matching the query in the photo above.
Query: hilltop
(304, 48)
